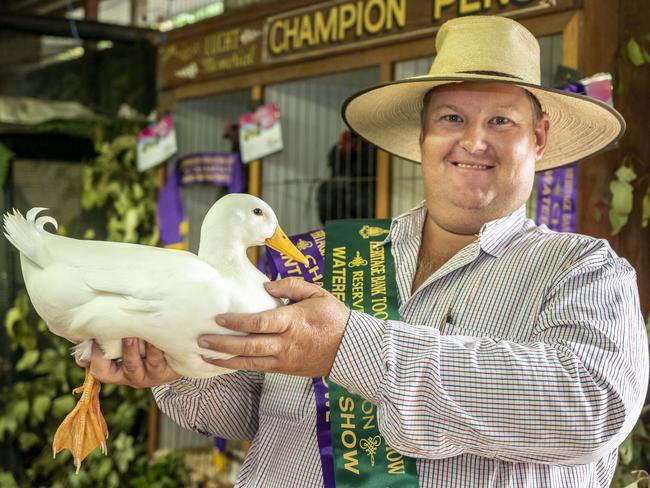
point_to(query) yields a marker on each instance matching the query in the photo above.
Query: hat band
(492, 73)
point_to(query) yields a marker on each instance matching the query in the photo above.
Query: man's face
(479, 145)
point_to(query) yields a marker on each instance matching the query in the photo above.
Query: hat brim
(388, 116)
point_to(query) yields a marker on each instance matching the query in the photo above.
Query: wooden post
(138, 12)
(382, 185)
(255, 167)
(91, 12)
(255, 171)
(154, 427)
(571, 45)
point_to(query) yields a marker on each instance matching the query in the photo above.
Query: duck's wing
(124, 299)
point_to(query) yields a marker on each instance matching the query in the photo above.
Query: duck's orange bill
(281, 243)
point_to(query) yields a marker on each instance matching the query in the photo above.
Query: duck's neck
(224, 252)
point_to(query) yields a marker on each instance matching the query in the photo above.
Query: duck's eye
(258, 211)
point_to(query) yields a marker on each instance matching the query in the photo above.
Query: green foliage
(637, 55)
(127, 196)
(165, 472)
(43, 371)
(622, 197)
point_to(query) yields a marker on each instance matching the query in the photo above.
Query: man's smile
(472, 165)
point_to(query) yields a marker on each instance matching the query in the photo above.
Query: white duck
(107, 291)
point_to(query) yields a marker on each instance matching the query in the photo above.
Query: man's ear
(541, 136)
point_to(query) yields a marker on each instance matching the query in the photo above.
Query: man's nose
(474, 138)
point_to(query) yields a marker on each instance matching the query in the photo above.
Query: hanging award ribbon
(361, 274)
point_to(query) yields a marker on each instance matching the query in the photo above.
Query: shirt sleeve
(226, 406)
(569, 396)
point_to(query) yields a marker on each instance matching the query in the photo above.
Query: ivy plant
(43, 371)
(625, 180)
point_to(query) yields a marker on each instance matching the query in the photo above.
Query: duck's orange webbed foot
(84, 428)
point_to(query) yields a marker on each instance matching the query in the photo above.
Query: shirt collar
(493, 238)
(495, 235)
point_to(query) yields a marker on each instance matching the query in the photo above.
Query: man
(520, 358)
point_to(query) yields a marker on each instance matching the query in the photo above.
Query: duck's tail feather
(26, 234)
(83, 350)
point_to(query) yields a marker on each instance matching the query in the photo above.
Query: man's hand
(299, 339)
(135, 371)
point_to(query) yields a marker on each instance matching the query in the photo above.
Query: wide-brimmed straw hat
(485, 49)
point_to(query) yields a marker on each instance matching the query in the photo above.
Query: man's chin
(472, 204)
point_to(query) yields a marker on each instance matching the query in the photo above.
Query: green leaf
(40, 405)
(617, 221)
(62, 406)
(49, 358)
(104, 469)
(14, 315)
(29, 359)
(28, 440)
(645, 210)
(138, 192)
(634, 53)
(622, 199)
(625, 173)
(7, 424)
(41, 326)
(19, 410)
(7, 480)
(124, 452)
(113, 480)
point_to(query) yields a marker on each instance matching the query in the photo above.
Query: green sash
(362, 275)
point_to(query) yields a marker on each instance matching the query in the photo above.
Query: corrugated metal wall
(407, 190)
(199, 125)
(311, 125)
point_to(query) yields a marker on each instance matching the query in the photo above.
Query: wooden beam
(255, 171)
(154, 429)
(138, 12)
(382, 189)
(255, 167)
(571, 41)
(91, 9)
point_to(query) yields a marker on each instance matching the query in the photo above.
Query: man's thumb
(294, 289)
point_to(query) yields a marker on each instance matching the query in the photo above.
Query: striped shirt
(521, 362)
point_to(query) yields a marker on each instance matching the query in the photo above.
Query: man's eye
(500, 120)
(452, 118)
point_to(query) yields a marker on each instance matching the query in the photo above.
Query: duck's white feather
(108, 291)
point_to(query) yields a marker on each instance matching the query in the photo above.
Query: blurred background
(109, 107)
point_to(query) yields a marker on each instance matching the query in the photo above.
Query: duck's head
(253, 220)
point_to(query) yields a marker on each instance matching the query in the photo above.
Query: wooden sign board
(319, 30)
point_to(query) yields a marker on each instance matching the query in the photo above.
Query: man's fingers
(267, 364)
(294, 289)
(254, 345)
(154, 357)
(268, 322)
(132, 363)
(105, 370)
